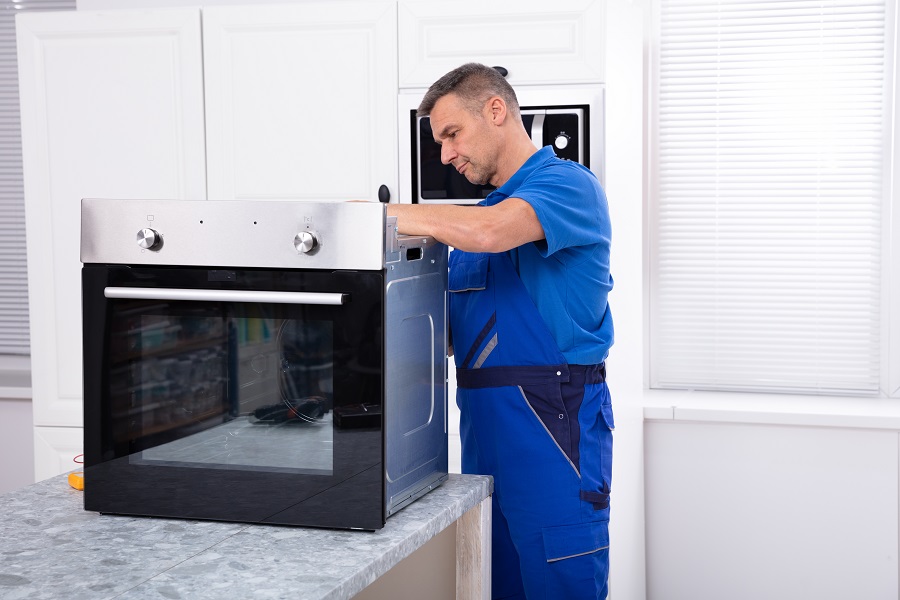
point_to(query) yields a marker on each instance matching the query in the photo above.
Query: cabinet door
(112, 106)
(301, 100)
(55, 450)
(537, 42)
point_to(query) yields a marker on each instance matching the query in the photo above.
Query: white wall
(781, 512)
(16, 444)
(16, 434)
(625, 368)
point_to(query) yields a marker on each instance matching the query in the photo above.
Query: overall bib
(541, 427)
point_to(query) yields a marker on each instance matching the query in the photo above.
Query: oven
(262, 362)
(563, 127)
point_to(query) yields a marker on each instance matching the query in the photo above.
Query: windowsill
(15, 377)
(772, 409)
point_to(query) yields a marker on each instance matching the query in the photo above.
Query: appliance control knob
(306, 242)
(149, 239)
(561, 141)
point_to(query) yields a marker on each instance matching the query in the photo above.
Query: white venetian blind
(769, 156)
(14, 338)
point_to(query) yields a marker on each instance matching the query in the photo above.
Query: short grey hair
(474, 83)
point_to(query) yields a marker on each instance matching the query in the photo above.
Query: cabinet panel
(301, 100)
(537, 42)
(112, 106)
(55, 449)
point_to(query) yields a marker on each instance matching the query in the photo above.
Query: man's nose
(447, 153)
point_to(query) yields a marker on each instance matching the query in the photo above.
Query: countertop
(50, 547)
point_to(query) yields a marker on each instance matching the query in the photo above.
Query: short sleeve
(569, 203)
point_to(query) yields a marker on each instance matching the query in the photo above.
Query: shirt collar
(534, 161)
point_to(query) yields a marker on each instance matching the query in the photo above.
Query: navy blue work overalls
(541, 427)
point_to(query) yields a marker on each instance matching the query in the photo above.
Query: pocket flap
(567, 541)
(607, 411)
(468, 271)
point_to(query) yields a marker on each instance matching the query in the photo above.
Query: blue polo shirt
(566, 274)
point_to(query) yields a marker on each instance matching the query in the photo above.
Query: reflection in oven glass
(243, 444)
(203, 389)
(307, 365)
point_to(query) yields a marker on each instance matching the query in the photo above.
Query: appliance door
(564, 128)
(207, 398)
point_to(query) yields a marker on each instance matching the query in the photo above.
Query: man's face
(466, 139)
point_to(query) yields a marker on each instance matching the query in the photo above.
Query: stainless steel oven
(265, 362)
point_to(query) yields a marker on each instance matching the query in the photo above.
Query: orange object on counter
(76, 480)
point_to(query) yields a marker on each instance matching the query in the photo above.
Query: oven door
(236, 395)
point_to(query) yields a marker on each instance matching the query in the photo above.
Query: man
(530, 330)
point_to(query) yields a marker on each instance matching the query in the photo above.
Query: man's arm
(497, 228)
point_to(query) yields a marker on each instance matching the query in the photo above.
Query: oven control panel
(234, 233)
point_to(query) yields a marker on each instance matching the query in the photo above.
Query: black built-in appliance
(263, 362)
(564, 127)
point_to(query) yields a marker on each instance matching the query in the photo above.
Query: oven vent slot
(413, 254)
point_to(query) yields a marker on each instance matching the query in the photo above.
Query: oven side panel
(415, 416)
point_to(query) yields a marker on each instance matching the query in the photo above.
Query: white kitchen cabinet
(537, 42)
(112, 106)
(301, 100)
(55, 450)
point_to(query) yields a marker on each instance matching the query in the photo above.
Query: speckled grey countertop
(50, 547)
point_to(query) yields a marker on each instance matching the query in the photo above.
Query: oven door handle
(139, 293)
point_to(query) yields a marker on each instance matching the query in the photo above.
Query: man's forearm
(438, 221)
(471, 228)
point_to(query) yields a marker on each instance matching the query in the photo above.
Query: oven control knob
(306, 242)
(149, 239)
(561, 141)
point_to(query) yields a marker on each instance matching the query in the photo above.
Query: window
(769, 212)
(13, 275)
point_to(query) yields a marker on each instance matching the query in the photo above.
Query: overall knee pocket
(577, 560)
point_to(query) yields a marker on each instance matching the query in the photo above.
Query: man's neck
(523, 149)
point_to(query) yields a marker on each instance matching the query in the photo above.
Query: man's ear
(497, 110)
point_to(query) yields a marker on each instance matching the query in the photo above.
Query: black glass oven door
(235, 395)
